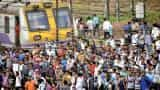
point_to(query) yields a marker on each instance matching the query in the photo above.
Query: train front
(38, 24)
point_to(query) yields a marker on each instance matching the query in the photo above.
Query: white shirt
(101, 61)
(48, 44)
(107, 25)
(18, 81)
(97, 70)
(21, 67)
(51, 52)
(135, 39)
(90, 24)
(157, 45)
(112, 43)
(42, 86)
(135, 26)
(122, 41)
(79, 83)
(157, 69)
(156, 78)
(130, 82)
(73, 81)
(155, 32)
(119, 63)
(82, 45)
(141, 39)
(52, 46)
(99, 80)
(76, 55)
(70, 63)
(15, 67)
(114, 78)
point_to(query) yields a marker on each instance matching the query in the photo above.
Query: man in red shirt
(92, 67)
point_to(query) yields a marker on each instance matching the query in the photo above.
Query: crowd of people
(82, 64)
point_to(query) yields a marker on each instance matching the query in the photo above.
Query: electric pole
(117, 10)
(107, 9)
(71, 10)
(144, 2)
(57, 26)
(72, 24)
(133, 7)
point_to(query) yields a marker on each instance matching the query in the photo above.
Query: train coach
(26, 24)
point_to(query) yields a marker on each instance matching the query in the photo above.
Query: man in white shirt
(82, 44)
(155, 32)
(79, 82)
(70, 63)
(50, 48)
(98, 67)
(51, 52)
(112, 42)
(107, 27)
(157, 43)
(18, 81)
(15, 67)
(90, 25)
(134, 38)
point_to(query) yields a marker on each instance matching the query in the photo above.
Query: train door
(10, 28)
(17, 31)
(7, 30)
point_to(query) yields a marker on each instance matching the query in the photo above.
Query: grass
(153, 16)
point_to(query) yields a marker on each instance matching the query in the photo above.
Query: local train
(26, 24)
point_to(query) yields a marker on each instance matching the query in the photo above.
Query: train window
(64, 17)
(7, 24)
(37, 20)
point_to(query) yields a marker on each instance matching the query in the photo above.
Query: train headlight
(37, 37)
(35, 7)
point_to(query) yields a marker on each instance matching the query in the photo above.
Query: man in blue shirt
(145, 83)
(144, 27)
(96, 22)
(127, 29)
(64, 64)
(21, 57)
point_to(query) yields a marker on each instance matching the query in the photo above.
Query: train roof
(7, 4)
(3, 4)
(10, 8)
(13, 7)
